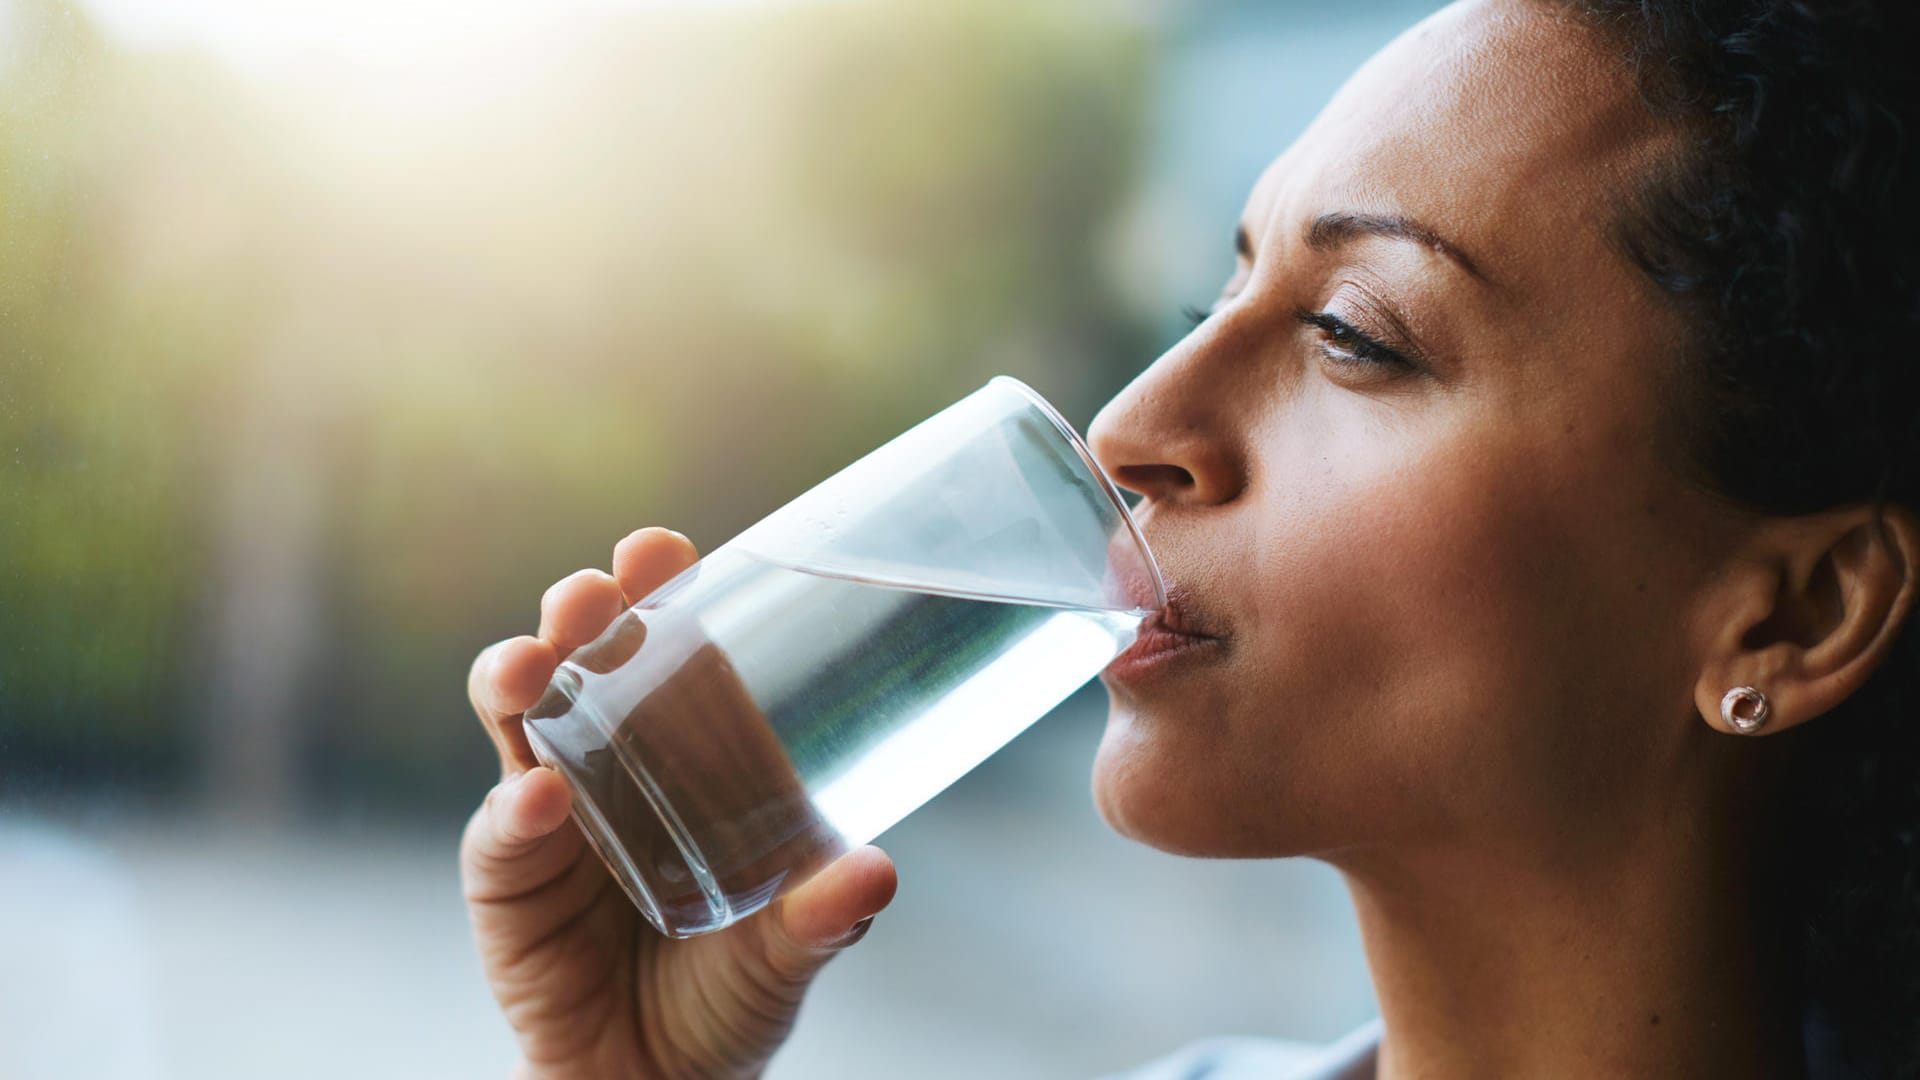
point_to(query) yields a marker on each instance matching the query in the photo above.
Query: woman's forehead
(1508, 125)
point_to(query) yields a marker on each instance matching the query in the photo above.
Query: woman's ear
(1818, 603)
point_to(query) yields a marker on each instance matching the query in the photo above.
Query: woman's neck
(1645, 952)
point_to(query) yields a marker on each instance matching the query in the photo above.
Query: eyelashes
(1340, 340)
(1344, 343)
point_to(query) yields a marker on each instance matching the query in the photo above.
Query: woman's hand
(590, 988)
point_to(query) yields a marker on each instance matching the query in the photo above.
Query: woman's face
(1414, 476)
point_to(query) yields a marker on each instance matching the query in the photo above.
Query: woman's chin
(1173, 784)
(1147, 795)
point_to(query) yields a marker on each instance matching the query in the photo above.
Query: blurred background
(331, 333)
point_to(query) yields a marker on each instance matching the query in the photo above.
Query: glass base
(675, 912)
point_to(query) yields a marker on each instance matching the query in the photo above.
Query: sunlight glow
(270, 36)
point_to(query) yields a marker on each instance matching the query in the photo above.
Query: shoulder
(1243, 1058)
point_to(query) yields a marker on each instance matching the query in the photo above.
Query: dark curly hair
(1789, 231)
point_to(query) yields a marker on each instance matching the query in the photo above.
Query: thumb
(809, 925)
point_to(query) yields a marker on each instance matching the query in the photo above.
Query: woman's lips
(1167, 638)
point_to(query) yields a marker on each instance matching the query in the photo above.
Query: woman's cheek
(1409, 610)
(1331, 575)
(1387, 595)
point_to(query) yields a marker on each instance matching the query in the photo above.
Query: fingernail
(858, 931)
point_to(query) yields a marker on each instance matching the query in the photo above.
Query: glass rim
(1107, 485)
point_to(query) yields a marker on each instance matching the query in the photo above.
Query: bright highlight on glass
(823, 674)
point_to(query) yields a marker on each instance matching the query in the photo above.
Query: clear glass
(820, 676)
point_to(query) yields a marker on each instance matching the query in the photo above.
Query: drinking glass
(818, 677)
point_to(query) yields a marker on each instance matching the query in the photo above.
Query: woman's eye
(1343, 343)
(1195, 315)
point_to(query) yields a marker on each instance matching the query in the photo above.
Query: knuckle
(791, 963)
(474, 834)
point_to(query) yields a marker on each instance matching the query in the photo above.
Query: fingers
(648, 558)
(508, 678)
(505, 680)
(827, 914)
(510, 847)
(577, 608)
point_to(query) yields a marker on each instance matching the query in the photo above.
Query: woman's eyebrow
(1331, 231)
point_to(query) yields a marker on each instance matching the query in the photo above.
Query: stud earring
(1745, 709)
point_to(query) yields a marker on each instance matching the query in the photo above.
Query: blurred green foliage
(309, 387)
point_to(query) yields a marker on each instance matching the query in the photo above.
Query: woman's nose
(1164, 438)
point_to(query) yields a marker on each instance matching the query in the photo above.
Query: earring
(1745, 709)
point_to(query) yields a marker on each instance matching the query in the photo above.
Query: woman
(1538, 499)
